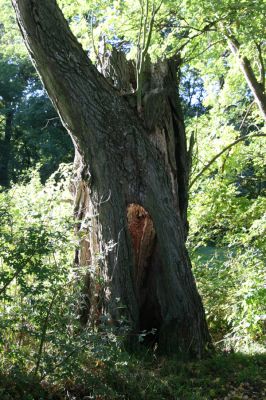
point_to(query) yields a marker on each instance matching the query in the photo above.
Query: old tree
(131, 181)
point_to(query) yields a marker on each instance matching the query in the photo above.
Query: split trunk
(131, 182)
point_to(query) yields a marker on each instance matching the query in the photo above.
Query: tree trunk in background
(257, 88)
(5, 150)
(131, 183)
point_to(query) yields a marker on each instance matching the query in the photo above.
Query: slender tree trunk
(256, 87)
(5, 150)
(131, 186)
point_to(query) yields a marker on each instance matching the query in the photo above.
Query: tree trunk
(6, 150)
(131, 186)
(256, 87)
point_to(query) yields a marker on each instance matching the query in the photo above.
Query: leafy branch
(228, 147)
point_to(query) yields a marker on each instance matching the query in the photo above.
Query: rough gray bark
(131, 187)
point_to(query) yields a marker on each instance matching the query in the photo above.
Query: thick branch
(254, 85)
(67, 73)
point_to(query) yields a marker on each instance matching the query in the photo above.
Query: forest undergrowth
(46, 355)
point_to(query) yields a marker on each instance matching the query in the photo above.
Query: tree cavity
(147, 265)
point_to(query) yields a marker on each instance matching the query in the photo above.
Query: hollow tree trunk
(131, 187)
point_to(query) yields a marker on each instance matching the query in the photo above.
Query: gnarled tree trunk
(131, 190)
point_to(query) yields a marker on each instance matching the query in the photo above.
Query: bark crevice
(147, 265)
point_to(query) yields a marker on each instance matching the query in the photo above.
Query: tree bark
(131, 186)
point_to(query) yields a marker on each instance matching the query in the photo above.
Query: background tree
(13, 81)
(30, 131)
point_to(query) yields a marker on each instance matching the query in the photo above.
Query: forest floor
(232, 376)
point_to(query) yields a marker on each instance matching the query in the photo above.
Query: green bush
(37, 278)
(232, 284)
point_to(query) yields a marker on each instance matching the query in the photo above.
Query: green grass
(223, 376)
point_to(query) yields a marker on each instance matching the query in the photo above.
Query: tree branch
(229, 146)
(203, 51)
(261, 65)
(245, 116)
(2, 290)
(246, 68)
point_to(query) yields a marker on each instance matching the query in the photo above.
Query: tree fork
(129, 170)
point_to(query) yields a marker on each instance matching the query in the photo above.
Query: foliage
(36, 247)
(11, 42)
(39, 137)
(232, 285)
(41, 286)
(35, 133)
(227, 231)
(231, 376)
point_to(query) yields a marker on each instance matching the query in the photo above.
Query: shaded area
(223, 377)
(147, 264)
